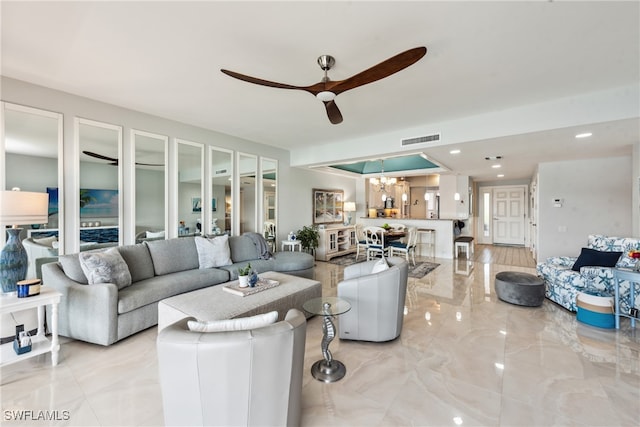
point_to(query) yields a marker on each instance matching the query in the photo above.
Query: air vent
(421, 139)
(220, 171)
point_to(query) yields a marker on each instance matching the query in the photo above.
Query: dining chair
(406, 248)
(362, 240)
(270, 234)
(375, 242)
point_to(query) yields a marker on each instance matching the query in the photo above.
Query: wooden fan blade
(334, 114)
(149, 164)
(101, 157)
(258, 81)
(379, 71)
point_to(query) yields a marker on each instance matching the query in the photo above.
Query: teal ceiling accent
(392, 164)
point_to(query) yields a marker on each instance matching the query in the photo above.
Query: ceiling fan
(326, 90)
(114, 161)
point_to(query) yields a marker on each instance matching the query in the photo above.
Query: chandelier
(383, 182)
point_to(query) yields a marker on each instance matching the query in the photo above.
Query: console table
(40, 343)
(633, 277)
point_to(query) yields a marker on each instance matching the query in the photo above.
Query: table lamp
(18, 207)
(349, 207)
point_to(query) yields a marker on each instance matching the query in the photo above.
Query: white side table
(633, 277)
(293, 244)
(40, 343)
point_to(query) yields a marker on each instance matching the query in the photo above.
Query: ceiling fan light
(326, 96)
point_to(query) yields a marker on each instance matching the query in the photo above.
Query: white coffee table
(214, 303)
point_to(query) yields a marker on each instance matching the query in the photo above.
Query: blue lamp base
(13, 261)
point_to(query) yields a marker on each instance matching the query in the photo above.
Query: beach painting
(98, 203)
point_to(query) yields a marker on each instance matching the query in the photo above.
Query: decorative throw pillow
(379, 266)
(155, 234)
(240, 324)
(105, 267)
(46, 241)
(213, 252)
(594, 258)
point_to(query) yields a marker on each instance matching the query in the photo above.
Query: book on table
(261, 285)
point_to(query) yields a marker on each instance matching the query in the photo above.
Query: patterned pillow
(616, 244)
(213, 252)
(241, 324)
(105, 267)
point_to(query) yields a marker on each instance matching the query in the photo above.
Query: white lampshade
(23, 207)
(349, 206)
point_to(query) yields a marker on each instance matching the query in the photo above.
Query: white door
(508, 215)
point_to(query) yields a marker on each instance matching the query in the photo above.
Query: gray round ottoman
(520, 288)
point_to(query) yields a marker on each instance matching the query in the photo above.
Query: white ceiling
(164, 58)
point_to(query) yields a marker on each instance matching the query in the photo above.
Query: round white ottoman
(520, 288)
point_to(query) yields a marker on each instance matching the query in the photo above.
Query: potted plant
(308, 237)
(243, 275)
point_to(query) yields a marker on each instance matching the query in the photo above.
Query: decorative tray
(261, 285)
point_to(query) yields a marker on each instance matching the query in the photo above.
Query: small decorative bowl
(28, 288)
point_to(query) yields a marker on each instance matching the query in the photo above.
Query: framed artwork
(196, 204)
(97, 203)
(327, 206)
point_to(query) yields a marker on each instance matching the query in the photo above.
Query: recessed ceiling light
(500, 175)
(454, 152)
(493, 157)
(496, 166)
(584, 135)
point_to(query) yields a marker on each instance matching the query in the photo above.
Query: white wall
(294, 185)
(596, 197)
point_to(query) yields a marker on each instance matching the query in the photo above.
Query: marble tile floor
(464, 358)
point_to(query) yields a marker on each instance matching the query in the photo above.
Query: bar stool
(431, 243)
(463, 242)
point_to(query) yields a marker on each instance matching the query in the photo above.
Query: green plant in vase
(308, 236)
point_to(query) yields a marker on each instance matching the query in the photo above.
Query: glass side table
(327, 369)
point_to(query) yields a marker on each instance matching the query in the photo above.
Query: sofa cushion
(155, 234)
(617, 244)
(595, 258)
(173, 255)
(105, 267)
(72, 269)
(242, 249)
(292, 261)
(239, 324)
(46, 241)
(139, 261)
(152, 290)
(213, 252)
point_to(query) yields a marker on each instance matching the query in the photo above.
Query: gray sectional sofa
(103, 314)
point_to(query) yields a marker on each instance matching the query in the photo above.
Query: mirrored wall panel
(150, 157)
(247, 173)
(269, 197)
(99, 147)
(190, 188)
(33, 162)
(221, 191)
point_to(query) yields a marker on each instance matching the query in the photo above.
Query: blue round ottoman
(520, 288)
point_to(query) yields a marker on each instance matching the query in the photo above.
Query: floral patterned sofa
(563, 284)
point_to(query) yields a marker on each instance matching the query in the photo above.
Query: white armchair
(249, 378)
(377, 301)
